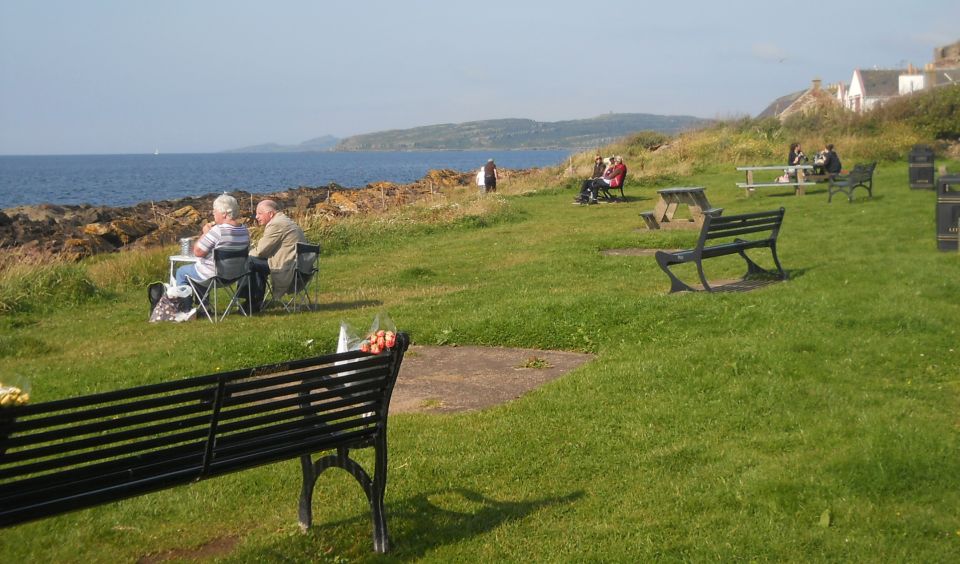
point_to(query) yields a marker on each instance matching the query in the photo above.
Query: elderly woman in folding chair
(224, 232)
(275, 254)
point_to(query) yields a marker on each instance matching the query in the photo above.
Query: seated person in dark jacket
(598, 167)
(827, 162)
(612, 178)
(796, 157)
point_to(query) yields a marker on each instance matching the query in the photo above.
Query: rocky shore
(81, 231)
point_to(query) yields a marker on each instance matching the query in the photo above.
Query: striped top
(223, 235)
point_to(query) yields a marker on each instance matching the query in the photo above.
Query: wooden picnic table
(672, 198)
(799, 182)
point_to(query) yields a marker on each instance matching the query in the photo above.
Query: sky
(186, 76)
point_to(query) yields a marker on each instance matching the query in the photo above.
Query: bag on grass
(174, 303)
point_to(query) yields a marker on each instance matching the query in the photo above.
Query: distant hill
(325, 143)
(519, 133)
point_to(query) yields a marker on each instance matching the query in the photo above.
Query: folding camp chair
(298, 296)
(231, 269)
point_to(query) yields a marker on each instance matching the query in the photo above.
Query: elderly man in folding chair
(275, 255)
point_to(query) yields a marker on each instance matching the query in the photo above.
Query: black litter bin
(948, 212)
(921, 167)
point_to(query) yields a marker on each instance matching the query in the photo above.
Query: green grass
(710, 426)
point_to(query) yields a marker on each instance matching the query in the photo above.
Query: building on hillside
(915, 80)
(870, 88)
(801, 102)
(947, 57)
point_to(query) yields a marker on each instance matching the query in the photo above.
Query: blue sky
(104, 76)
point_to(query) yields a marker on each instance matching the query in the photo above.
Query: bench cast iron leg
(676, 285)
(754, 268)
(776, 261)
(306, 492)
(703, 277)
(374, 489)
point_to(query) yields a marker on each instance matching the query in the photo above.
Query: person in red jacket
(612, 178)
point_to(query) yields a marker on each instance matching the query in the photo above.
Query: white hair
(227, 205)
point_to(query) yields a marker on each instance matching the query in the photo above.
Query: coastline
(79, 231)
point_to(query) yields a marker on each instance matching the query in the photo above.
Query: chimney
(816, 85)
(930, 78)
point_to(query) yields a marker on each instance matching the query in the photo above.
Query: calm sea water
(124, 180)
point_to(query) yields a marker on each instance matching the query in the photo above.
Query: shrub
(40, 288)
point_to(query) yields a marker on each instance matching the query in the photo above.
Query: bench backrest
(738, 226)
(69, 454)
(862, 172)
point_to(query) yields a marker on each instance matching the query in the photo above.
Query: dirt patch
(217, 547)
(450, 379)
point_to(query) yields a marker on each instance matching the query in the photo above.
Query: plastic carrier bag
(381, 336)
(173, 303)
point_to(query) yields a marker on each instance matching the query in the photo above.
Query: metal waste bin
(921, 167)
(948, 212)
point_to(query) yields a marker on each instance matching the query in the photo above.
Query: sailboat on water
(156, 151)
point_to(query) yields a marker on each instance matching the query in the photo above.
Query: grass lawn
(816, 419)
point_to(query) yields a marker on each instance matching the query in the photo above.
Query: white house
(915, 80)
(868, 88)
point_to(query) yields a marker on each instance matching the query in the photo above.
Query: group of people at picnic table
(609, 173)
(274, 256)
(825, 163)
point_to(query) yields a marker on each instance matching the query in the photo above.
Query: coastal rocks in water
(81, 231)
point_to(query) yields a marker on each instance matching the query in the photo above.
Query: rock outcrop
(81, 231)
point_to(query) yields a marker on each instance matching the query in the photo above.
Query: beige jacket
(279, 246)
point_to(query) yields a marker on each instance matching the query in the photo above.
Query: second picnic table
(670, 199)
(798, 182)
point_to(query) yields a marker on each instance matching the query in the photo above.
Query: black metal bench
(717, 227)
(607, 195)
(861, 175)
(70, 454)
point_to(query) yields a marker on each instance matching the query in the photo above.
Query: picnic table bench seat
(798, 181)
(64, 455)
(762, 227)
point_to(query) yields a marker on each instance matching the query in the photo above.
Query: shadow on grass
(753, 282)
(420, 524)
(277, 309)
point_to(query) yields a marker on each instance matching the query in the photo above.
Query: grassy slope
(710, 426)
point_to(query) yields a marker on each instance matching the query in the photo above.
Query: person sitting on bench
(611, 178)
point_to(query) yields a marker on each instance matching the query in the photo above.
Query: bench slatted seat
(717, 227)
(75, 453)
(861, 175)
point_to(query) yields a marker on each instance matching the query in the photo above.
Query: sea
(126, 180)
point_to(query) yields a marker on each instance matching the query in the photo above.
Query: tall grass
(32, 282)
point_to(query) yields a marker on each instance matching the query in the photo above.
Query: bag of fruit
(381, 336)
(15, 391)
